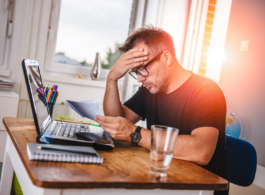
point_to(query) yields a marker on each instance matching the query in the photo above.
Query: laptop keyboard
(69, 130)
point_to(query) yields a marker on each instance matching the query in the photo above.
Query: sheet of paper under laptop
(88, 109)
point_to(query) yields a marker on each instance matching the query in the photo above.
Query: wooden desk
(125, 167)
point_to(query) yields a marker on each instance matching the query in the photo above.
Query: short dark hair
(155, 38)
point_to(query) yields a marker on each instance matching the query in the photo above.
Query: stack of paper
(6, 85)
(88, 109)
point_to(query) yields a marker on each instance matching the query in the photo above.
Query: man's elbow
(203, 159)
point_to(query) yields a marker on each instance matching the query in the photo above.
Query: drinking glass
(163, 141)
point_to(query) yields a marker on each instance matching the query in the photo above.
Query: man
(169, 95)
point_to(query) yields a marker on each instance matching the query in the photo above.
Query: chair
(241, 161)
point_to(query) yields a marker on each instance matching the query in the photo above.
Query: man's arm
(197, 147)
(131, 59)
(111, 103)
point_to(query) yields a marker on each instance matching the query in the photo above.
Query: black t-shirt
(199, 102)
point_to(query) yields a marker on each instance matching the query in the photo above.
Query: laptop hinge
(46, 123)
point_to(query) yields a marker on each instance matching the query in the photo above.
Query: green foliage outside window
(112, 57)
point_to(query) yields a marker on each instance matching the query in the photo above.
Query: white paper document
(88, 109)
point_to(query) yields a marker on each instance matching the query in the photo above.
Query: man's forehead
(144, 47)
(141, 45)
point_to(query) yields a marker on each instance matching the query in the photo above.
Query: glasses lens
(143, 72)
(133, 74)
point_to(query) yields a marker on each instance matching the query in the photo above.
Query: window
(205, 39)
(212, 53)
(79, 29)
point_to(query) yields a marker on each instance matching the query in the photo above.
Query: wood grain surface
(125, 166)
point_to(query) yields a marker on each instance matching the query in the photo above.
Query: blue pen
(46, 92)
(49, 107)
(54, 95)
(42, 99)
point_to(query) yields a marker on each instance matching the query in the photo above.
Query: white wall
(242, 77)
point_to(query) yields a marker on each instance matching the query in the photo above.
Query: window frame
(137, 20)
(194, 34)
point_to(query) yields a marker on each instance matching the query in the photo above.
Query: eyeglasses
(142, 69)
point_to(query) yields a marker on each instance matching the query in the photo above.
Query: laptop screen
(35, 82)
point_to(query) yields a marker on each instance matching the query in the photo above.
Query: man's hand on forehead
(133, 58)
(136, 57)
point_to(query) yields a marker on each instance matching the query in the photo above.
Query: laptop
(55, 132)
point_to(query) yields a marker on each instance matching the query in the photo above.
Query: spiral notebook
(62, 156)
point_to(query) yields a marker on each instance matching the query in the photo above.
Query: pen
(56, 96)
(42, 98)
(52, 90)
(49, 94)
(53, 96)
(42, 101)
(52, 101)
(40, 91)
(54, 87)
(40, 95)
(93, 124)
(49, 107)
(46, 92)
(63, 150)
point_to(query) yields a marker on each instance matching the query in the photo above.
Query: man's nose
(140, 78)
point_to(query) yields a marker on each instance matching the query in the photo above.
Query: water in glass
(163, 141)
(159, 162)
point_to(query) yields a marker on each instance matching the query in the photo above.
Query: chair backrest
(241, 161)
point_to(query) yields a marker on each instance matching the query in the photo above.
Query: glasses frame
(144, 67)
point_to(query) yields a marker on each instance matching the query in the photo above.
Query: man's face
(158, 72)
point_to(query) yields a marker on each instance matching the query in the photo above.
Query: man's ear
(167, 57)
